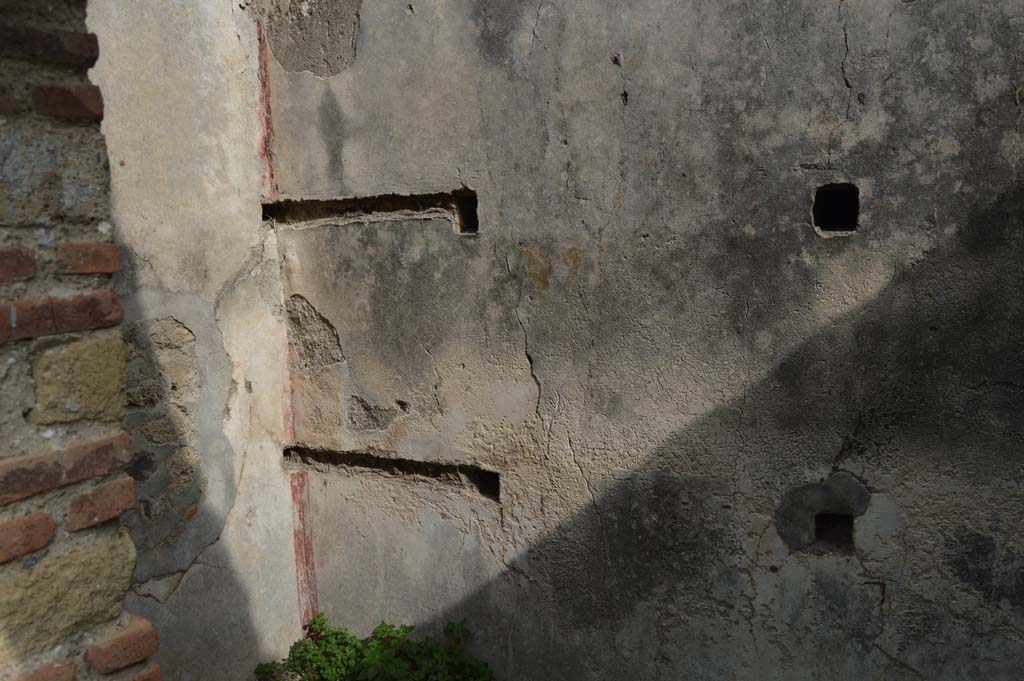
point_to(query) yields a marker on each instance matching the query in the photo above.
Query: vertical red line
(305, 571)
(266, 124)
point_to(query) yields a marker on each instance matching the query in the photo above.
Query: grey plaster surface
(647, 338)
(696, 350)
(215, 571)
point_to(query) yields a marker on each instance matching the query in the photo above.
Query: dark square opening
(465, 207)
(833, 531)
(488, 483)
(837, 207)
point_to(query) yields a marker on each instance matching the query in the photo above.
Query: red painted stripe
(288, 398)
(266, 124)
(305, 571)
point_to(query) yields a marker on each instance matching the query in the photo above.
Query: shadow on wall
(214, 565)
(55, 173)
(919, 394)
(174, 414)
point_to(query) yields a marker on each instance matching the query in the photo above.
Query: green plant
(325, 653)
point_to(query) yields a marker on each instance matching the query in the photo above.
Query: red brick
(89, 311)
(47, 316)
(88, 258)
(104, 503)
(26, 319)
(58, 671)
(134, 643)
(17, 263)
(9, 106)
(69, 102)
(23, 476)
(25, 535)
(67, 48)
(150, 673)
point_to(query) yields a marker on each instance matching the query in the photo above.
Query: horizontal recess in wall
(461, 204)
(486, 483)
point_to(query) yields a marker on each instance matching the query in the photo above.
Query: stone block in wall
(163, 430)
(17, 263)
(94, 310)
(52, 172)
(106, 502)
(77, 102)
(133, 644)
(164, 391)
(61, 48)
(162, 364)
(64, 16)
(58, 671)
(24, 535)
(63, 594)
(88, 258)
(48, 316)
(24, 476)
(9, 106)
(80, 380)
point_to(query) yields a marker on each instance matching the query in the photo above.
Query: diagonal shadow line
(676, 567)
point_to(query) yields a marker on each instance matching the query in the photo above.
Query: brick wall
(65, 559)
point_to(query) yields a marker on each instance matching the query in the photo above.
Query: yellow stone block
(59, 596)
(81, 380)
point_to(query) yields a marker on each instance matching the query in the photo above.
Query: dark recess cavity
(834, 532)
(820, 515)
(837, 207)
(486, 483)
(461, 204)
(465, 208)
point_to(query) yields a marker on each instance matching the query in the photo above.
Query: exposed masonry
(318, 36)
(314, 339)
(163, 390)
(66, 560)
(460, 204)
(484, 482)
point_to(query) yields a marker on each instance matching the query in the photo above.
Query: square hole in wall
(837, 207)
(833, 532)
(465, 209)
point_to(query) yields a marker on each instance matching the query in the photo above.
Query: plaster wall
(647, 339)
(673, 371)
(202, 301)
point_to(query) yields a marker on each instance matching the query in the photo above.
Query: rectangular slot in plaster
(486, 483)
(461, 206)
